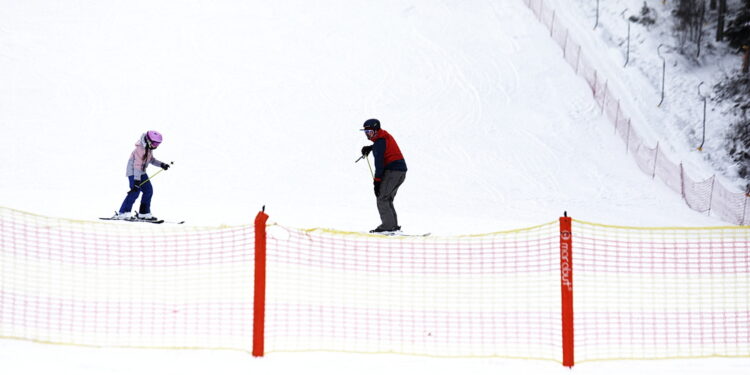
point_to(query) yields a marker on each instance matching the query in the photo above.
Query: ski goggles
(369, 132)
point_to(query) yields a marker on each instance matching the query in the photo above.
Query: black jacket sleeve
(378, 153)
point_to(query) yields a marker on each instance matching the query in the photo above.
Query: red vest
(392, 152)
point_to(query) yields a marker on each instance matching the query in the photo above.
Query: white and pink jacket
(140, 158)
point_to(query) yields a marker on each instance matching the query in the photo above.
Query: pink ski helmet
(153, 139)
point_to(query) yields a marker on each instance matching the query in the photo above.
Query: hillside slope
(261, 104)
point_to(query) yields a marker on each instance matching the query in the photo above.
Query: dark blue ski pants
(146, 189)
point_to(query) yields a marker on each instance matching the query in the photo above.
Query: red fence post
(566, 288)
(259, 307)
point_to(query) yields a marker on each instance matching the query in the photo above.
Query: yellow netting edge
(62, 343)
(728, 227)
(415, 354)
(354, 233)
(663, 358)
(114, 222)
(413, 236)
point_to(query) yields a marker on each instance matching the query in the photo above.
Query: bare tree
(720, 23)
(700, 27)
(689, 27)
(737, 31)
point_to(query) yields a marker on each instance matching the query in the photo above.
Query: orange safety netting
(124, 284)
(633, 292)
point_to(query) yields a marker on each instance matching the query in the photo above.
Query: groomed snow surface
(260, 104)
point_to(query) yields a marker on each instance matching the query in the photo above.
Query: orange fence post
(566, 288)
(259, 306)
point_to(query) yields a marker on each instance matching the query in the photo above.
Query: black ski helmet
(372, 124)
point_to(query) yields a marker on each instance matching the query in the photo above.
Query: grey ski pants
(392, 180)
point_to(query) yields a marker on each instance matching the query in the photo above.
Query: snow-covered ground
(260, 104)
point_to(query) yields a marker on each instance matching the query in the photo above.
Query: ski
(401, 234)
(145, 221)
(136, 220)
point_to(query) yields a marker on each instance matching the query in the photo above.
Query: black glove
(376, 184)
(164, 166)
(136, 186)
(366, 150)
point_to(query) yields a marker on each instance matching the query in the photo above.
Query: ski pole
(150, 178)
(368, 163)
(369, 166)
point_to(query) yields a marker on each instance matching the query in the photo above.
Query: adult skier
(390, 172)
(140, 158)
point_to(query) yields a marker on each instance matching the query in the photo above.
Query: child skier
(139, 182)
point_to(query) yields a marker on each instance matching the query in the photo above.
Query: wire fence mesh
(707, 195)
